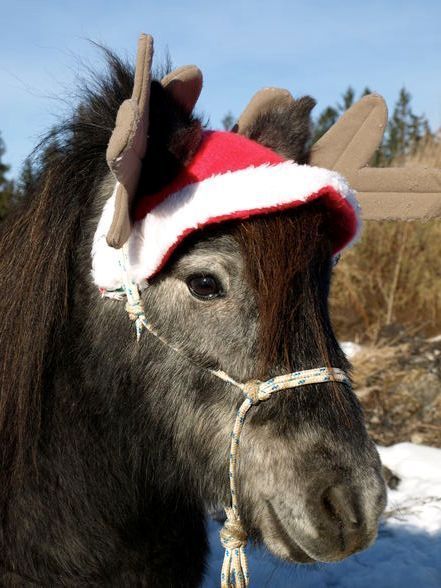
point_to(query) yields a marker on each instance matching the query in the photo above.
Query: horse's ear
(128, 142)
(263, 102)
(274, 119)
(404, 193)
(184, 84)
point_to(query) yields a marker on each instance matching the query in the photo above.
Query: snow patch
(350, 348)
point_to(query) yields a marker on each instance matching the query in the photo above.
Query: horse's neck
(167, 547)
(98, 503)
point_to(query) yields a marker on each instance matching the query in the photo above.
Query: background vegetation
(391, 280)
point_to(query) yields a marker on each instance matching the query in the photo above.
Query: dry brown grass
(393, 275)
(399, 387)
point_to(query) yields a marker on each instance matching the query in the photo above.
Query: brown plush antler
(128, 143)
(185, 85)
(404, 193)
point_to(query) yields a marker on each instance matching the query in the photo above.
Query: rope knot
(232, 534)
(234, 538)
(253, 391)
(135, 310)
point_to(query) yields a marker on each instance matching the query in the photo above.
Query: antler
(404, 193)
(128, 144)
(185, 85)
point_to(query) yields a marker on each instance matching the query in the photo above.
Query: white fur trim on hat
(235, 194)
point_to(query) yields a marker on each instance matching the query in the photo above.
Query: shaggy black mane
(39, 237)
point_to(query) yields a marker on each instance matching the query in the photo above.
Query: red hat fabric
(230, 177)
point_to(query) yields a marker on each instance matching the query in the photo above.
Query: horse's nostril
(339, 505)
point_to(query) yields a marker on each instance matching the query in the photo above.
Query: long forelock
(283, 255)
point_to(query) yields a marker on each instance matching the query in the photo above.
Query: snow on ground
(407, 553)
(350, 348)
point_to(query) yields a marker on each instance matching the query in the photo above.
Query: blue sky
(312, 47)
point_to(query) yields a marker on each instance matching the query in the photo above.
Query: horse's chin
(281, 543)
(289, 545)
(288, 550)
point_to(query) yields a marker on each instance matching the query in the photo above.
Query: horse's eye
(204, 286)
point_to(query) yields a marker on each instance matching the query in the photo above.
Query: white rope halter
(233, 536)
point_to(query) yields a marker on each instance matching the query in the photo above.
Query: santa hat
(230, 177)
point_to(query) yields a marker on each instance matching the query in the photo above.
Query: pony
(112, 450)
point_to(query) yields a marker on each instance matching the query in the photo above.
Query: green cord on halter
(233, 536)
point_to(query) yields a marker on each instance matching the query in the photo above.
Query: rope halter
(233, 536)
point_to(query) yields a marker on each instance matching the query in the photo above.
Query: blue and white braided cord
(233, 536)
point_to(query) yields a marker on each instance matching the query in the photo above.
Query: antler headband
(347, 147)
(384, 193)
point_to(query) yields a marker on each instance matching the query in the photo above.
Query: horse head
(248, 296)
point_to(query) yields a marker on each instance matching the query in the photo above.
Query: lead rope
(233, 536)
